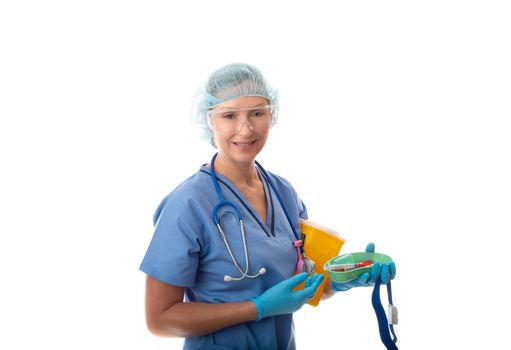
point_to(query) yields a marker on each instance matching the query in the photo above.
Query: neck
(240, 174)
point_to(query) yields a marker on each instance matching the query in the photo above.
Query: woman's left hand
(382, 271)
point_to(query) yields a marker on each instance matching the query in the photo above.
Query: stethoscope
(304, 264)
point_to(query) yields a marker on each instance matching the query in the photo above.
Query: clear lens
(230, 121)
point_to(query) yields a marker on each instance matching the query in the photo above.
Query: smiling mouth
(244, 144)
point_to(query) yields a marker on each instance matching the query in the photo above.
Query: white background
(394, 128)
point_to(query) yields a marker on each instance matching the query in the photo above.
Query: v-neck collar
(267, 226)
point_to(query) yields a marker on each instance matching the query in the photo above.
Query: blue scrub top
(186, 250)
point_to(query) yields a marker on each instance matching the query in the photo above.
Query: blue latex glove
(282, 299)
(383, 271)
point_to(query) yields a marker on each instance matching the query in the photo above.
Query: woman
(218, 281)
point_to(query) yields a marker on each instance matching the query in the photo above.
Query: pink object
(299, 264)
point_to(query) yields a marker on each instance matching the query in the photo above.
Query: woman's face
(241, 127)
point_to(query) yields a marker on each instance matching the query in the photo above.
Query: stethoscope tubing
(279, 198)
(223, 203)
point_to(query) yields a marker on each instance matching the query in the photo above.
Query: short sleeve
(174, 251)
(302, 209)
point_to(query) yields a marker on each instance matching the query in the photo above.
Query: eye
(229, 116)
(258, 113)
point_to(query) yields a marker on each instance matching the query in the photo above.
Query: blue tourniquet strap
(383, 323)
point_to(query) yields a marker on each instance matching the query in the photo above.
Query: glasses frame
(213, 112)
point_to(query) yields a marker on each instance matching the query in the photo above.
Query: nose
(245, 130)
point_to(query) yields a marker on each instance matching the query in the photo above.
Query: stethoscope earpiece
(228, 278)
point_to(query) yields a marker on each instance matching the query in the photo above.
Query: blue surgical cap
(228, 83)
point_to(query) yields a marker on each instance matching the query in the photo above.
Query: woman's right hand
(282, 299)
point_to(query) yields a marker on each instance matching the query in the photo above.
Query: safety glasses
(228, 121)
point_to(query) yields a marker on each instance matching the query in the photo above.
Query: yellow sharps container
(320, 244)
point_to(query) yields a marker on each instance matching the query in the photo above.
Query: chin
(244, 156)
